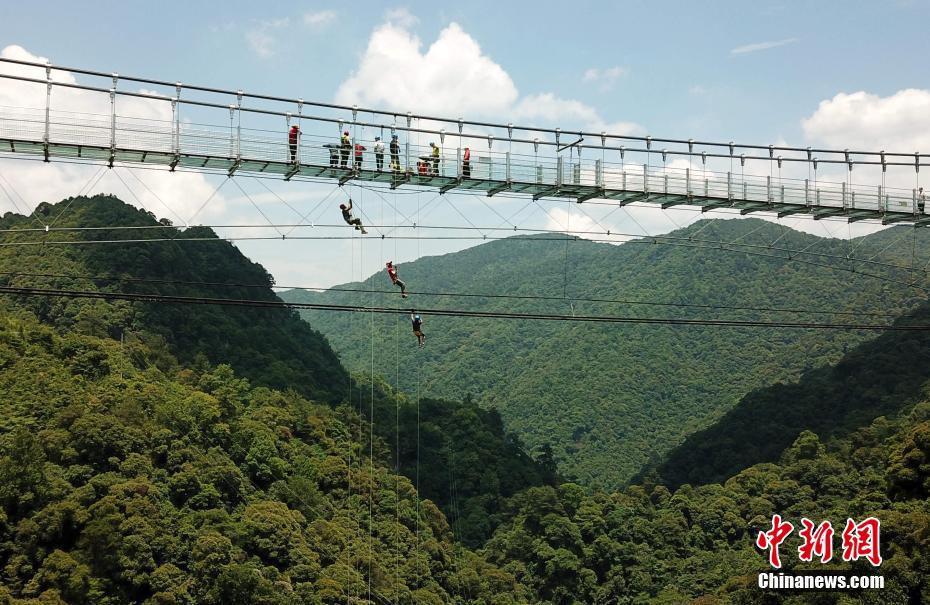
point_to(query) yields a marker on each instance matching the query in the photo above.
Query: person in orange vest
(292, 136)
(466, 164)
(358, 156)
(392, 273)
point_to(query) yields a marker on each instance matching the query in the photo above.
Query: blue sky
(669, 50)
(750, 71)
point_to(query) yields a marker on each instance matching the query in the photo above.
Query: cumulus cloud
(454, 77)
(900, 122)
(37, 182)
(757, 46)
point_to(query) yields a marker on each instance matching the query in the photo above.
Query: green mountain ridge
(608, 399)
(271, 347)
(120, 483)
(127, 475)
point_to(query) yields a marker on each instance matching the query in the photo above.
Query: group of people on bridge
(339, 153)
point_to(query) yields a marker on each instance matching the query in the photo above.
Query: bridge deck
(239, 151)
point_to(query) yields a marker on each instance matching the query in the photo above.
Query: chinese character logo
(773, 538)
(862, 540)
(817, 542)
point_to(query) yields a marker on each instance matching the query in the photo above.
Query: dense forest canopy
(139, 465)
(611, 399)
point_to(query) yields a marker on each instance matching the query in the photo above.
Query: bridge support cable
(462, 313)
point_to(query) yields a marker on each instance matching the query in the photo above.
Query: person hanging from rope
(395, 154)
(434, 154)
(292, 136)
(359, 149)
(347, 216)
(379, 154)
(466, 164)
(346, 143)
(392, 273)
(417, 322)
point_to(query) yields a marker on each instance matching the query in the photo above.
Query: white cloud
(319, 18)
(900, 122)
(38, 182)
(550, 108)
(261, 38)
(757, 46)
(697, 90)
(454, 77)
(606, 77)
(401, 17)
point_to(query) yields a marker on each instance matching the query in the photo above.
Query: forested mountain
(646, 544)
(271, 347)
(133, 470)
(464, 461)
(610, 399)
(122, 483)
(877, 378)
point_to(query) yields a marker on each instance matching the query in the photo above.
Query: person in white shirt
(379, 153)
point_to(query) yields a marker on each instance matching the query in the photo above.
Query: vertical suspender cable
(418, 398)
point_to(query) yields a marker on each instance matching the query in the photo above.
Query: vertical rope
(396, 434)
(349, 564)
(418, 400)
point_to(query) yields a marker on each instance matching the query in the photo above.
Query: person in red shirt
(466, 164)
(292, 136)
(358, 156)
(392, 273)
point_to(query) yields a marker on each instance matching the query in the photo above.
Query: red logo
(817, 542)
(860, 540)
(773, 538)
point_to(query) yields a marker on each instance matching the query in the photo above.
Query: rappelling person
(395, 154)
(359, 148)
(292, 135)
(434, 155)
(346, 147)
(379, 154)
(347, 216)
(392, 273)
(466, 164)
(417, 322)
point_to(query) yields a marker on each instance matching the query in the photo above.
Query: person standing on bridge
(466, 164)
(359, 148)
(921, 200)
(395, 154)
(417, 322)
(346, 144)
(379, 154)
(434, 154)
(292, 136)
(392, 273)
(347, 217)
